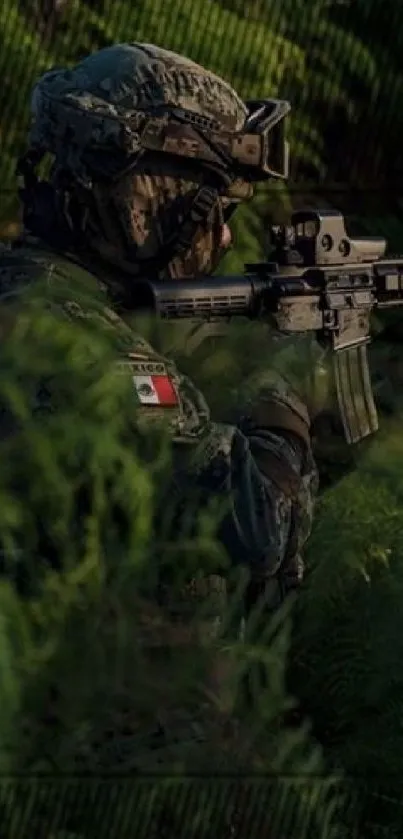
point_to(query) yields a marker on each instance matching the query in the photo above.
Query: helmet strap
(203, 203)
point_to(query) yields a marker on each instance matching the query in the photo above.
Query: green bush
(81, 681)
(90, 662)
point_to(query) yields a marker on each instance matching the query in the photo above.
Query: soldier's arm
(264, 470)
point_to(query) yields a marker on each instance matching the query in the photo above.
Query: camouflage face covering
(133, 207)
(137, 216)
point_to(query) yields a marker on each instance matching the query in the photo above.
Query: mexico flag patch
(151, 382)
(155, 390)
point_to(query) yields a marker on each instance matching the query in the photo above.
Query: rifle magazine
(354, 393)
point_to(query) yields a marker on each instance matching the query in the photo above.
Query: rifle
(318, 280)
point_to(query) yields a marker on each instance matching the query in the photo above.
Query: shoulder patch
(152, 383)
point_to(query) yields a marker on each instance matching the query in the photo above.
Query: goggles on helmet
(264, 131)
(257, 152)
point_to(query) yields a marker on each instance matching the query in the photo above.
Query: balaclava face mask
(129, 223)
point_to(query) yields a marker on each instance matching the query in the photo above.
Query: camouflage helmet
(154, 147)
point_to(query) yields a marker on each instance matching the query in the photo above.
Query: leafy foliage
(81, 677)
(91, 660)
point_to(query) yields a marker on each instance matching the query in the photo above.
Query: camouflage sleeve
(263, 468)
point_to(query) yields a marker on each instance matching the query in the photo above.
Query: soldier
(151, 153)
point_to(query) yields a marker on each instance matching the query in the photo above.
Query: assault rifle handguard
(319, 280)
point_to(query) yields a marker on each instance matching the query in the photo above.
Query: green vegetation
(80, 677)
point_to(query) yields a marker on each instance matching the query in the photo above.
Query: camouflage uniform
(263, 465)
(110, 214)
(116, 211)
